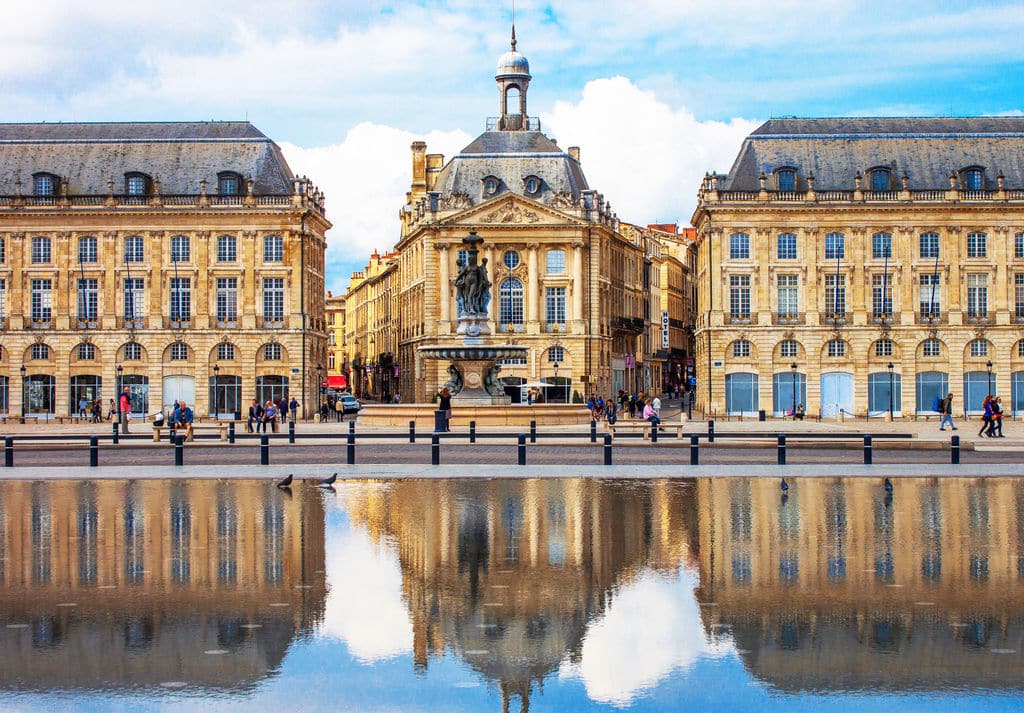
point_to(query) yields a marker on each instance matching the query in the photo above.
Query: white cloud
(365, 179)
(652, 629)
(645, 156)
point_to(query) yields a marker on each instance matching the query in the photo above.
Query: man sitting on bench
(185, 419)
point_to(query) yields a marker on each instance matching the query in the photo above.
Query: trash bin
(760, 415)
(440, 422)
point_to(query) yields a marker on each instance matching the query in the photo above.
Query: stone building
(858, 266)
(566, 282)
(182, 260)
(371, 334)
(337, 354)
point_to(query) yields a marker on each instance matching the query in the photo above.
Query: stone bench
(220, 427)
(645, 427)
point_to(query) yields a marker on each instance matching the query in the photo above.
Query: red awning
(337, 382)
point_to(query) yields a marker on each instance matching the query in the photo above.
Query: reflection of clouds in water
(652, 628)
(364, 605)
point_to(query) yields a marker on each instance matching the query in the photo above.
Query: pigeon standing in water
(784, 486)
(888, 487)
(286, 482)
(327, 482)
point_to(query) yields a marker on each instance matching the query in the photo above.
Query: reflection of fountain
(474, 369)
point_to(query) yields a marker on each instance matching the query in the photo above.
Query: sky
(655, 92)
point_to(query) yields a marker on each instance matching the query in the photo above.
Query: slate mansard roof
(512, 156)
(926, 149)
(179, 154)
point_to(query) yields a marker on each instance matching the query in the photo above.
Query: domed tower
(513, 78)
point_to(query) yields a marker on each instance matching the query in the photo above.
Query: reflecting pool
(543, 595)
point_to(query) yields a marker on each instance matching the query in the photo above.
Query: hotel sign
(664, 330)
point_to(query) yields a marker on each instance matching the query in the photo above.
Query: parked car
(349, 403)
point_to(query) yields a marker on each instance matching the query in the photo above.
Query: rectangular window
(979, 348)
(931, 348)
(929, 299)
(226, 351)
(227, 248)
(554, 301)
(930, 245)
(883, 348)
(881, 295)
(179, 351)
(741, 349)
(789, 301)
(881, 246)
(3, 250)
(134, 249)
(786, 180)
(272, 352)
(132, 351)
(1018, 294)
(88, 300)
(788, 349)
(836, 348)
(835, 295)
(835, 246)
(181, 299)
(227, 299)
(135, 185)
(273, 248)
(42, 300)
(273, 299)
(977, 245)
(739, 296)
(40, 250)
(44, 185)
(556, 262)
(1018, 246)
(181, 248)
(787, 246)
(739, 246)
(977, 296)
(134, 298)
(3, 300)
(556, 355)
(87, 251)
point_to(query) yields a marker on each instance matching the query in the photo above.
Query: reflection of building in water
(509, 573)
(836, 586)
(158, 573)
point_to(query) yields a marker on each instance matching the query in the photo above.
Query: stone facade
(921, 224)
(202, 263)
(371, 332)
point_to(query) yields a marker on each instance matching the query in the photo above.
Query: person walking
(339, 409)
(124, 408)
(112, 411)
(986, 417)
(282, 409)
(444, 403)
(293, 406)
(996, 426)
(946, 412)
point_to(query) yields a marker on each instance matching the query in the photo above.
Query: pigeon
(286, 482)
(327, 482)
(888, 487)
(784, 486)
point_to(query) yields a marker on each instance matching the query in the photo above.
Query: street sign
(295, 371)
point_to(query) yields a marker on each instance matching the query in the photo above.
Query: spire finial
(513, 37)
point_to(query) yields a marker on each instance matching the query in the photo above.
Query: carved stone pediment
(512, 210)
(511, 214)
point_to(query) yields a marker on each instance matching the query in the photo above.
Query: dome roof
(513, 62)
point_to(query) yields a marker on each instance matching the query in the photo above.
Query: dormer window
(136, 184)
(881, 179)
(44, 184)
(229, 183)
(785, 179)
(491, 186)
(973, 179)
(532, 185)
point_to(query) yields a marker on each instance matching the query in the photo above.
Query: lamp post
(890, 367)
(118, 388)
(556, 376)
(23, 370)
(216, 390)
(792, 370)
(988, 365)
(319, 388)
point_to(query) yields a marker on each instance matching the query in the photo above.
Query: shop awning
(337, 382)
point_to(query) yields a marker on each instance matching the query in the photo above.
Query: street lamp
(890, 367)
(118, 387)
(988, 365)
(556, 376)
(23, 370)
(216, 390)
(792, 370)
(319, 388)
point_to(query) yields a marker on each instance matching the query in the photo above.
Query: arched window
(86, 352)
(973, 178)
(881, 179)
(788, 349)
(229, 183)
(132, 351)
(512, 100)
(136, 184)
(883, 348)
(979, 348)
(836, 348)
(511, 302)
(44, 184)
(785, 179)
(741, 349)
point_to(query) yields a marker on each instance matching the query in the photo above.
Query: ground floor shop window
(741, 393)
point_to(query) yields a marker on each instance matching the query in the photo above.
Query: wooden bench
(221, 427)
(645, 427)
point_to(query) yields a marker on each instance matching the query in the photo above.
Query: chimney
(435, 162)
(574, 152)
(419, 167)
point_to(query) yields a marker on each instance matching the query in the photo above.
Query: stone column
(531, 290)
(577, 286)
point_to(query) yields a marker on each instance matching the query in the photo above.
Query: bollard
(179, 450)
(607, 449)
(94, 451)
(231, 432)
(694, 449)
(522, 448)
(291, 431)
(350, 448)
(352, 428)
(8, 452)
(867, 450)
(412, 431)
(782, 449)
(711, 430)
(533, 431)
(654, 433)
(954, 450)
(116, 439)
(170, 434)
(593, 431)
(472, 431)
(435, 449)
(264, 449)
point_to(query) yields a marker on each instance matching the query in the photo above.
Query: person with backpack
(945, 409)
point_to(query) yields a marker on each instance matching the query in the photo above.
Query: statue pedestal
(472, 325)
(474, 390)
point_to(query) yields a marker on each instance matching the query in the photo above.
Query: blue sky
(654, 91)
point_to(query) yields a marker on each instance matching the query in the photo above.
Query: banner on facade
(664, 330)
